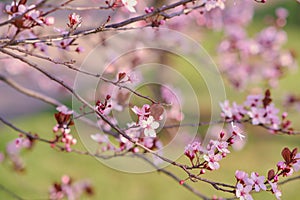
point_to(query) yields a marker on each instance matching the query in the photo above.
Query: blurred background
(44, 166)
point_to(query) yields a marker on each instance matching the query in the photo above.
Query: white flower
(238, 131)
(129, 5)
(149, 126)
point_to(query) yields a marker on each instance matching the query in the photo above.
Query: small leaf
(267, 100)
(294, 152)
(121, 75)
(271, 174)
(286, 154)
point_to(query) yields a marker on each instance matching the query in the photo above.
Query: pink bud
(55, 129)
(65, 179)
(79, 49)
(222, 134)
(49, 21)
(284, 115)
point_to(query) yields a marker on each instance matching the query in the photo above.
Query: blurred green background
(45, 166)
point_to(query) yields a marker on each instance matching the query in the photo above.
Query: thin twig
(12, 194)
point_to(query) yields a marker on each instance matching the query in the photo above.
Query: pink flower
(191, 150)
(258, 182)
(226, 109)
(211, 4)
(237, 131)
(296, 166)
(257, 115)
(287, 170)
(143, 112)
(129, 4)
(242, 192)
(272, 117)
(74, 21)
(275, 190)
(282, 13)
(238, 111)
(254, 100)
(149, 126)
(213, 160)
(240, 175)
(222, 146)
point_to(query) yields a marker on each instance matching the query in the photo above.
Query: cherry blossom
(221, 146)
(275, 190)
(74, 21)
(68, 140)
(192, 149)
(237, 131)
(240, 175)
(257, 115)
(149, 126)
(212, 4)
(104, 107)
(67, 188)
(64, 120)
(258, 182)
(296, 165)
(213, 160)
(143, 112)
(242, 192)
(129, 4)
(32, 17)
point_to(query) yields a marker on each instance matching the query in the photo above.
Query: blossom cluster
(245, 184)
(260, 110)
(142, 131)
(74, 21)
(13, 150)
(69, 189)
(156, 20)
(258, 58)
(26, 17)
(252, 58)
(62, 128)
(208, 157)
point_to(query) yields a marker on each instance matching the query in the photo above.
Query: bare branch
(28, 92)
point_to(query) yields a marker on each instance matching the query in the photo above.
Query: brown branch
(105, 157)
(289, 180)
(23, 14)
(109, 27)
(280, 130)
(50, 101)
(57, 7)
(10, 193)
(29, 92)
(70, 66)
(27, 134)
